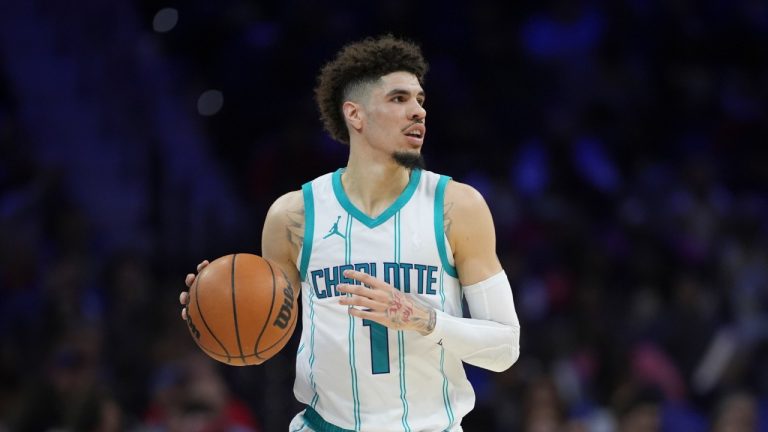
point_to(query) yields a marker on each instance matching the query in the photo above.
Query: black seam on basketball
(225, 355)
(200, 311)
(234, 307)
(292, 323)
(269, 315)
(214, 353)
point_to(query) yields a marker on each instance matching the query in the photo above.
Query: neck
(373, 184)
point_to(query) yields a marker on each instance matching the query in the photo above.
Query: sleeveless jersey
(357, 374)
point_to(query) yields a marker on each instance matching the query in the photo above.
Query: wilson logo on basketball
(284, 316)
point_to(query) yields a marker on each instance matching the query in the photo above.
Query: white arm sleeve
(491, 338)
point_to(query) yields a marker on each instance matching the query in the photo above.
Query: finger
(184, 314)
(363, 314)
(362, 291)
(184, 298)
(202, 265)
(361, 302)
(189, 280)
(365, 278)
(355, 290)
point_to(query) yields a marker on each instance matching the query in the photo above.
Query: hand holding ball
(242, 309)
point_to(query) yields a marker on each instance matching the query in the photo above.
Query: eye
(398, 99)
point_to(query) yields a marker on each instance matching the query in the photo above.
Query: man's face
(395, 115)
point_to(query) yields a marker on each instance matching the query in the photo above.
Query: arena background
(622, 147)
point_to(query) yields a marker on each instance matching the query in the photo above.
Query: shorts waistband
(319, 424)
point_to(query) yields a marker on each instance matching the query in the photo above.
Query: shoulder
(291, 202)
(466, 216)
(463, 196)
(286, 211)
(471, 233)
(283, 232)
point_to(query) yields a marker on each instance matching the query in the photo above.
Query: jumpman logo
(335, 230)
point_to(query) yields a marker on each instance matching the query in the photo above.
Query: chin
(410, 159)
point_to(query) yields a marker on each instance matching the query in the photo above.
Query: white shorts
(300, 424)
(310, 421)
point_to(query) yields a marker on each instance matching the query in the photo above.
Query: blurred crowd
(620, 145)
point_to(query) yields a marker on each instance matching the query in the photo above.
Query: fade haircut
(357, 65)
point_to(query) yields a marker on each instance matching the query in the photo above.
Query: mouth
(415, 133)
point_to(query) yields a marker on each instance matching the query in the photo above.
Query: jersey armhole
(309, 228)
(440, 236)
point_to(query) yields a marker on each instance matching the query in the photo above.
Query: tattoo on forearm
(432, 321)
(424, 321)
(406, 312)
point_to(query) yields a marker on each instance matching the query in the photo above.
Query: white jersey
(356, 374)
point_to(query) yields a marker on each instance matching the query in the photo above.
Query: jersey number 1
(379, 347)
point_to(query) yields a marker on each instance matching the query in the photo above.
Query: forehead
(399, 80)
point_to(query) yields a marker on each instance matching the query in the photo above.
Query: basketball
(242, 309)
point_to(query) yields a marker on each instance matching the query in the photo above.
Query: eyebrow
(400, 91)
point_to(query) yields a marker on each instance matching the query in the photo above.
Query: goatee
(409, 160)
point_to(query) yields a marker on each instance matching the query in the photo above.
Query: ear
(353, 114)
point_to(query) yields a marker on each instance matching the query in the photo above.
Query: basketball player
(384, 251)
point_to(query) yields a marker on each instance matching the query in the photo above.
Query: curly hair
(360, 63)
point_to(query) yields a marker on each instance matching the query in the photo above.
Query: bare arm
(470, 231)
(283, 234)
(281, 241)
(491, 338)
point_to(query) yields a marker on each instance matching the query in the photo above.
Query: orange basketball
(242, 310)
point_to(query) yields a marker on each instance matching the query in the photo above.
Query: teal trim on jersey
(351, 332)
(442, 290)
(394, 241)
(313, 402)
(348, 241)
(353, 370)
(446, 398)
(301, 348)
(403, 389)
(397, 237)
(400, 336)
(440, 227)
(318, 423)
(309, 228)
(338, 190)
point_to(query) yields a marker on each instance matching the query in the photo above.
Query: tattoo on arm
(424, 322)
(409, 313)
(447, 207)
(432, 321)
(295, 228)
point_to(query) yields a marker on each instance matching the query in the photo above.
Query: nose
(418, 112)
